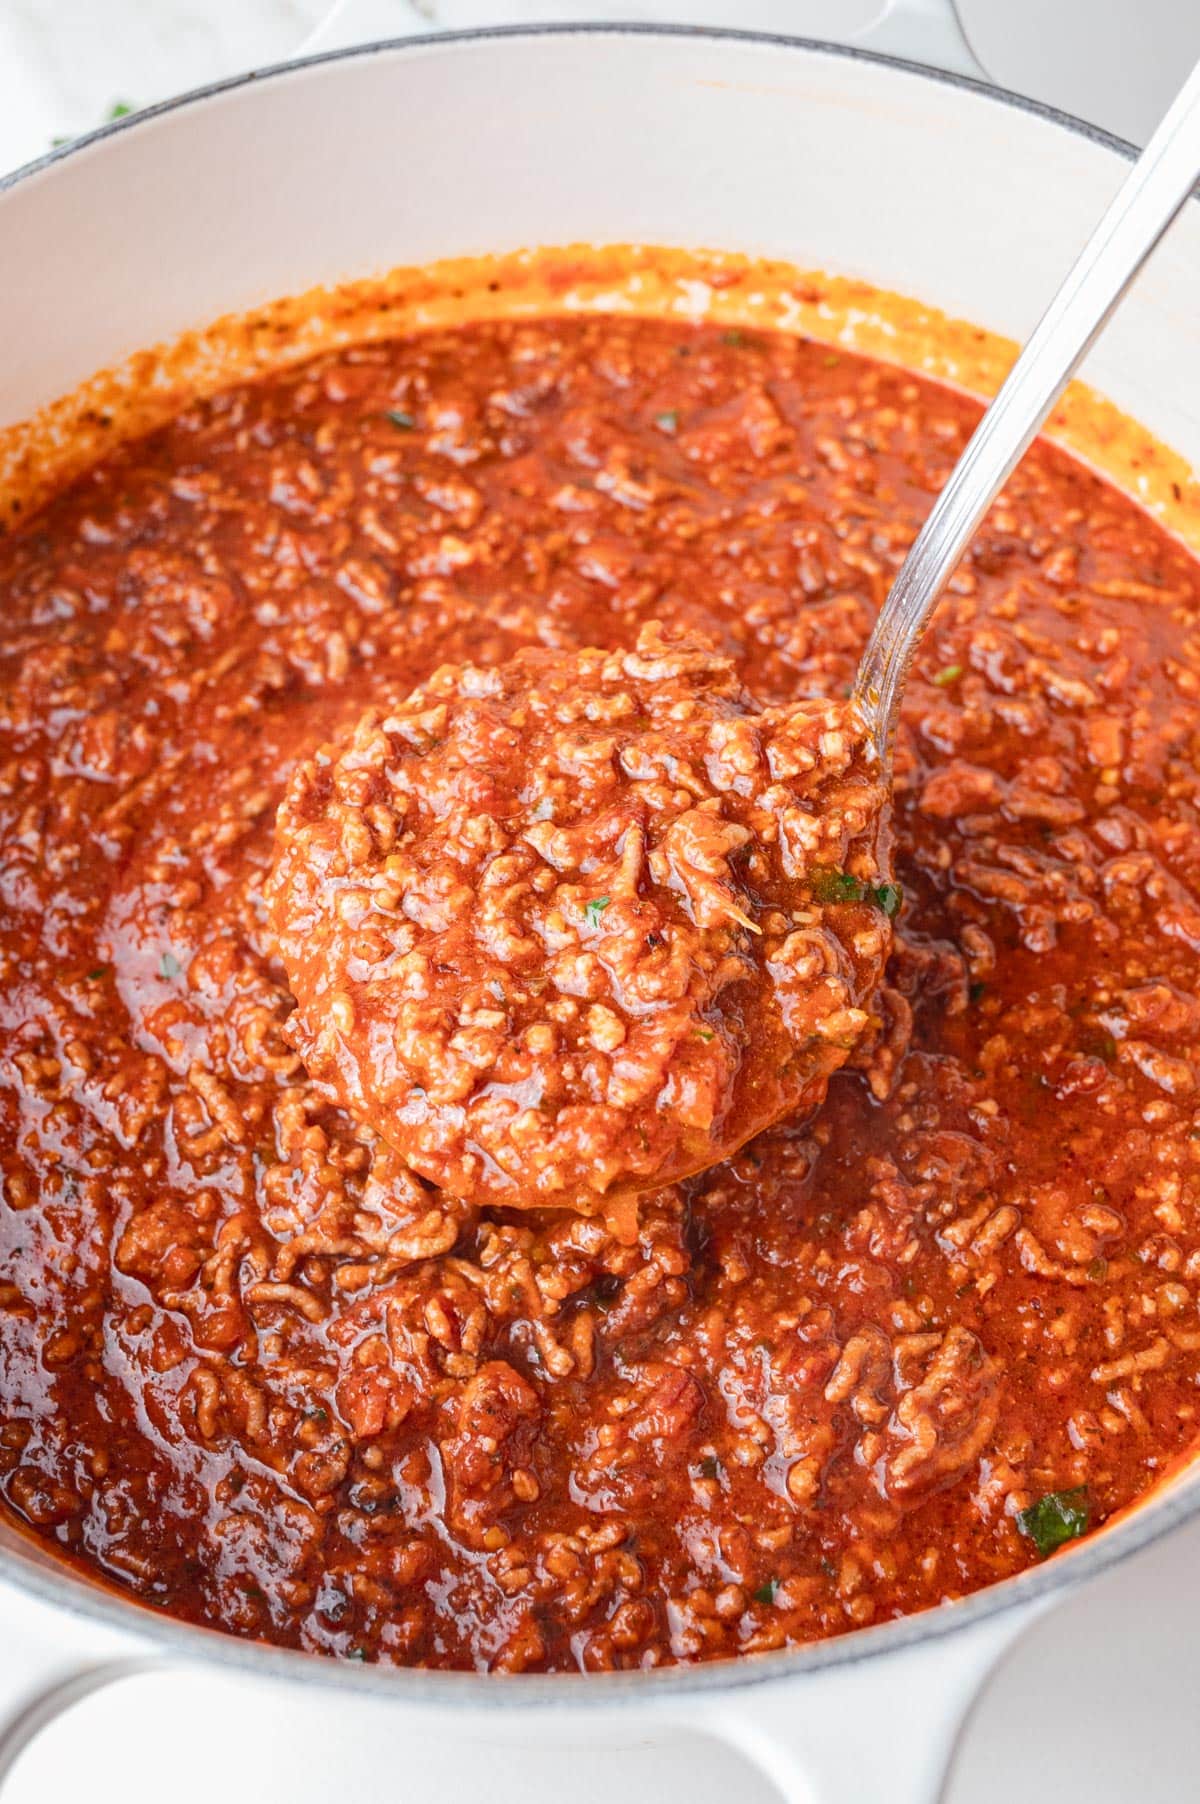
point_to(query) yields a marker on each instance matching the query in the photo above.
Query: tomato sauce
(256, 1371)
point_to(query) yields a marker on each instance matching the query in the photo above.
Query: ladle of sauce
(577, 927)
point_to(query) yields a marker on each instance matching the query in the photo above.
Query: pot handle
(922, 31)
(348, 22)
(50, 1658)
(883, 1727)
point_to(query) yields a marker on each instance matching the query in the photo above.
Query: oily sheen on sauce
(256, 1371)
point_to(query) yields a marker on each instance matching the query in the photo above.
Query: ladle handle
(1148, 200)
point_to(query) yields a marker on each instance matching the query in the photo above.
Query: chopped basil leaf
(169, 965)
(836, 886)
(975, 991)
(706, 1033)
(595, 908)
(766, 1593)
(404, 422)
(98, 973)
(668, 421)
(1056, 1518)
(841, 886)
(120, 109)
(950, 674)
(710, 1466)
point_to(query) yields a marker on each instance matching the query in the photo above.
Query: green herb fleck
(766, 1593)
(706, 1033)
(669, 421)
(733, 335)
(1056, 1518)
(57, 142)
(829, 885)
(975, 991)
(98, 973)
(949, 674)
(169, 965)
(888, 897)
(594, 909)
(357, 1653)
(316, 1415)
(120, 109)
(404, 422)
(710, 1466)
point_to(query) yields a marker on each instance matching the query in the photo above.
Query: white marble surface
(65, 63)
(1098, 1702)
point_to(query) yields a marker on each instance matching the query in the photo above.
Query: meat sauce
(257, 1372)
(574, 927)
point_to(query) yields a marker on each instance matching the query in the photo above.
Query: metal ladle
(1146, 203)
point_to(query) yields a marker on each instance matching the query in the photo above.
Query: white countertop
(1098, 1702)
(65, 63)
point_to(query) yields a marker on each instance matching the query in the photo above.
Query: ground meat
(571, 927)
(259, 1373)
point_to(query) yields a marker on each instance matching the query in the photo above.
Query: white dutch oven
(399, 154)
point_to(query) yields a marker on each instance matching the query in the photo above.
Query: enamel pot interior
(402, 154)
